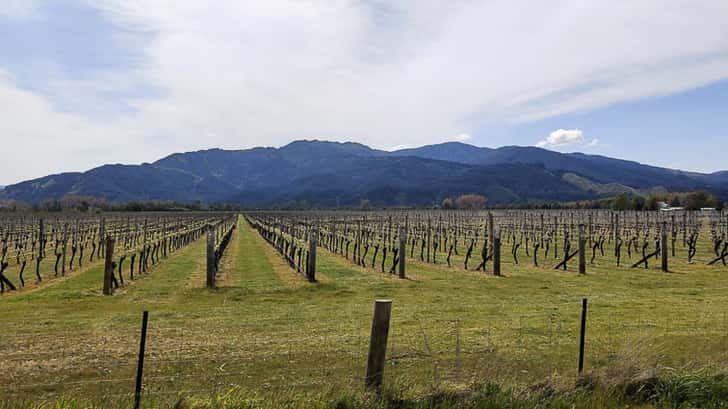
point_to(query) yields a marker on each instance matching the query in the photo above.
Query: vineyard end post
(497, 251)
(378, 344)
(402, 251)
(210, 257)
(109, 266)
(582, 250)
(663, 247)
(312, 255)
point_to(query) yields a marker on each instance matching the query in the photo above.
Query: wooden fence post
(402, 251)
(491, 231)
(429, 238)
(582, 335)
(582, 250)
(109, 266)
(140, 364)
(210, 257)
(311, 271)
(65, 247)
(616, 234)
(663, 247)
(41, 237)
(102, 236)
(378, 344)
(497, 251)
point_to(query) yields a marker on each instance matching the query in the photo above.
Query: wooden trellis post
(402, 251)
(616, 234)
(41, 236)
(663, 247)
(490, 229)
(591, 228)
(311, 270)
(429, 238)
(109, 266)
(65, 245)
(497, 251)
(102, 235)
(211, 257)
(378, 344)
(582, 250)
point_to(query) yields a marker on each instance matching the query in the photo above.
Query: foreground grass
(652, 389)
(273, 338)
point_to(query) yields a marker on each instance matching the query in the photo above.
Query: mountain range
(332, 174)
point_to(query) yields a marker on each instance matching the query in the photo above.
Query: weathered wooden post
(311, 270)
(402, 251)
(211, 257)
(663, 246)
(65, 245)
(164, 237)
(357, 243)
(591, 228)
(109, 266)
(582, 250)
(673, 234)
(102, 235)
(41, 237)
(378, 344)
(490, 229)
(145, 250)
(429, 238)
(497, 251)
(616, 234)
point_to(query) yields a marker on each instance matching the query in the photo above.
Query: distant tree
(52, 205)
(364, 204)
(623, 201)
(638, 202)
(471, 201)
(652, 201)
(700, 199)
(13, 206)
(82, 203)
(448, 203)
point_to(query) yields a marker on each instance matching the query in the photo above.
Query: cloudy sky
(86, 82)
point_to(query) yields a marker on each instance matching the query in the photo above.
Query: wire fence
(213, 350)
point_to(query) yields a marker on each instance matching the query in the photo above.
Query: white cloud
(242, 74)
(42, 141)
(562, 137)
(593, 142)
(397, 148)
(19, 9)
(462, 137)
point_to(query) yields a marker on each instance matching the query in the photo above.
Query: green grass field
(268, 334)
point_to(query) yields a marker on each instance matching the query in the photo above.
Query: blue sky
(684, 130)
(86, 82)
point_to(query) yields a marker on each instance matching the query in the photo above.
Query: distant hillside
(599, 169)
(330, 174)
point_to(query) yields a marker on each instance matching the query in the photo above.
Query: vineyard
(278, 304)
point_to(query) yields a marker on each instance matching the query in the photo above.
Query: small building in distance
(664, 207)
